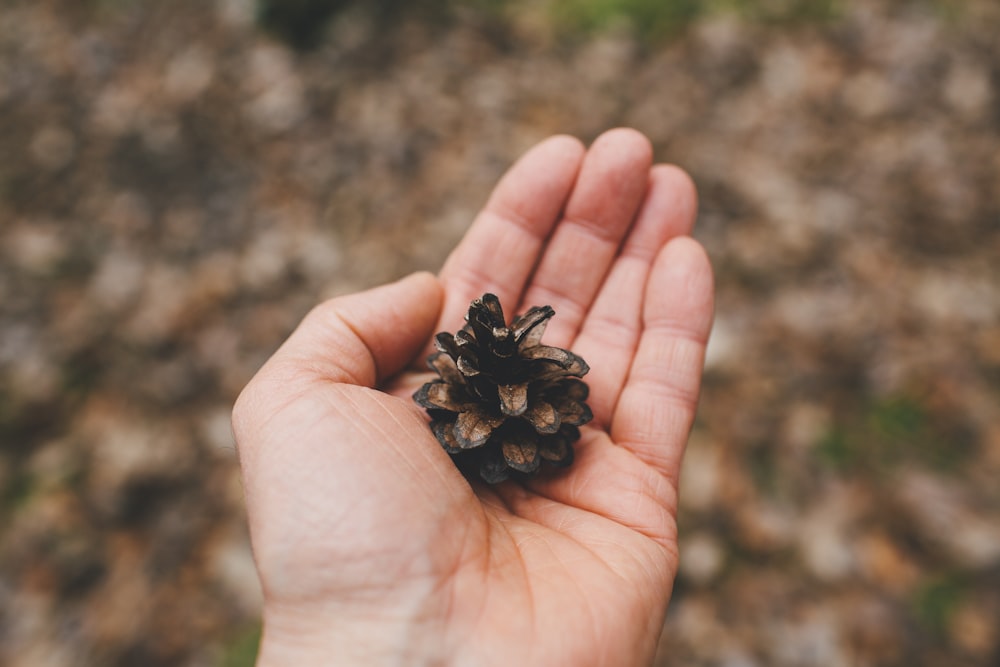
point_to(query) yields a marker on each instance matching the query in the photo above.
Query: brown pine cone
(504, 401)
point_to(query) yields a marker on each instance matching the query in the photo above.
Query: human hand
(371, 546)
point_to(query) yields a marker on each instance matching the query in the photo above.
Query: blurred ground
(178, 186)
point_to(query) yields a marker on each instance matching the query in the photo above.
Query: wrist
(306, 637)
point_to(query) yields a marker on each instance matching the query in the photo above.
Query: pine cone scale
(564, 359)
(475, 426)
(521, 454)
(445, 434)
(528, 328)
(444, 396)
(513, 399)
(575, 414)
(544, 417)
(467, 366)
(554, 454)
(445, 342)
(445, 367)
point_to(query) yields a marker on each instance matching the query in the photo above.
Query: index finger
(500, 250)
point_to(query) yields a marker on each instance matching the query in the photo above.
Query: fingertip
(417, 297)
(682, 187)
(668, 211)
(560, 152)
(612, 182)
(565, 145)
(424, 280)
(546, 171)
(423, 296)
(626, 142)
(681, 288)
(683, 254)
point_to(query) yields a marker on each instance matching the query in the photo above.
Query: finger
(604, 202)
(610, 332)
(364, 338)
(657, 405)
(501, 248)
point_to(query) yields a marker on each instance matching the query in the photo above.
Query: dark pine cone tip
(502, 400)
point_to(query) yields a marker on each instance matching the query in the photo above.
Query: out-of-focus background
(181, 180)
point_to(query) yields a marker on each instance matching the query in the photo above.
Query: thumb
(366, 337)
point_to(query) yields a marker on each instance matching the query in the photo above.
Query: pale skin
(373, 549)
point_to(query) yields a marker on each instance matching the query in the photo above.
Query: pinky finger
(657, 406)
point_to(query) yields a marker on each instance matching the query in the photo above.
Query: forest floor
(178, 187)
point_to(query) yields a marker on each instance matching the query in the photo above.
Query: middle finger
(607, 195)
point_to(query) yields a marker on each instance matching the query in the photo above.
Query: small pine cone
(503, 400)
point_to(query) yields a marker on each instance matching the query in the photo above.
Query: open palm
(371, 546)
